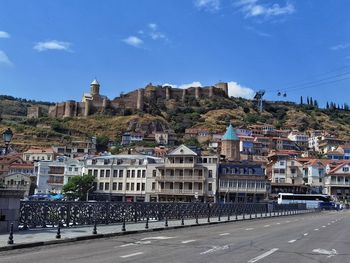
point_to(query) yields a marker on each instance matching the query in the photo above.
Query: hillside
(211, 114)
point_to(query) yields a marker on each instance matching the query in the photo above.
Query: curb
(108, 235)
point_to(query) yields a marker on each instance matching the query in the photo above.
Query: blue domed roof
(230, 134)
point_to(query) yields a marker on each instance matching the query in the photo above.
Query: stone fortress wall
(93, 102)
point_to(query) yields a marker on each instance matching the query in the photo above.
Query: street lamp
(7, 138)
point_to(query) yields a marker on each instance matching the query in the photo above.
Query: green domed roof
(230, 134)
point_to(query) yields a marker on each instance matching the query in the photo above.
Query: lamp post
(7, 138)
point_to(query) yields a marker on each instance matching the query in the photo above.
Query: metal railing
(52, 213)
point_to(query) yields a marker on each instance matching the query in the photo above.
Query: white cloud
(155, 33)
(52, 45)
(133, 41)
(208, 5)
(4, 34)
(236, 90)
(254, 8)
(4, 59)
(340, 46)
(184, 86)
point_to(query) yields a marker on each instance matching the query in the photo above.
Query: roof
(95, 82)
(182, 150)
(39, 150)
(230, 134)
(336, 168)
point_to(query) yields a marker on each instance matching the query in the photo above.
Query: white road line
(306, 234)
(292, 241)
(249, 228)
(132, 255)
(316, 229)
(188, 241)
(287, 221)
(268, 253)
(224, 234)
(323, 226)
(278, 223)
(266, 225)
(157, 238)
(329, 224)
(128, 245)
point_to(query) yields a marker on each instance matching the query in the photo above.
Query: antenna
(259, 98)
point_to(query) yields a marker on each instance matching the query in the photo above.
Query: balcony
(242, 190)
(55, 181)
(180, 192)
(170, 178)
(179, 165)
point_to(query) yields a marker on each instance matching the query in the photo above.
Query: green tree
(78, 186)
(192, 141)
(102, 143)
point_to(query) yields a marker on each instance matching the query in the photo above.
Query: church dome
(230, 134)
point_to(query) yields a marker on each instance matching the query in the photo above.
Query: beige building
(185, 176)
(39, 154)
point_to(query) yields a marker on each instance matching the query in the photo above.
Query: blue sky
(52, 50)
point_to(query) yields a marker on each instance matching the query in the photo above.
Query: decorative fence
(52, 213)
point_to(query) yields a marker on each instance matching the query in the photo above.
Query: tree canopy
(78, 186)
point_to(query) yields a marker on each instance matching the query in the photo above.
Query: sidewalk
(47, 236)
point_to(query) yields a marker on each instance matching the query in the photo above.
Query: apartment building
(185, 176)
(39, 154)
(242, 182)
(337, 181)
(120, 177)
(52, 175)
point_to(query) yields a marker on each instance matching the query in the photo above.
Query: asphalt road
(318, 237)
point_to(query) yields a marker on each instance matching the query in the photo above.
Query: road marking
(157, 238)
(127, 245)
(214, 249)
(323, 226)
(143, 242)
(316, 229)
(306, 234)
(292, 241)
(288, 221)
(188, 241)
(224, 234)
(329, 224)
(268, 253)
(278, 223)
(266, 225)
(132, 255)
(330, 253)
(250, 228)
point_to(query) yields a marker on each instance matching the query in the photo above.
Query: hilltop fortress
(92, 102)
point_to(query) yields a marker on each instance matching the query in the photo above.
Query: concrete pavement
(314, 237)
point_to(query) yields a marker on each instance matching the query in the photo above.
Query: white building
(120, 177)
(52, 175)
(301, 139)
(39, 154)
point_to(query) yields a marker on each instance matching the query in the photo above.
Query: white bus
(311, 200)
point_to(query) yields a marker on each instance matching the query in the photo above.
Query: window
(345, 169)
(121, 173)
(153, 186)
(95, 172)
(293, 170)
(171, 186)
(128, 173)
(132, 173)
(138, 187)
(115, 173)
(76, 169)
(143, 173)
(143, 186)
(199, 186)
(120, 186)
(132, 186)
(189, 186)
(108, 173)
(70, 169)
(102, 173)
(210, 175)
(154, 173)
(90, 172)
(106, 186)
(127, 186)
(210, 187)
(138, 173)
(320, 180)
(100, 187)
(114, 186)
